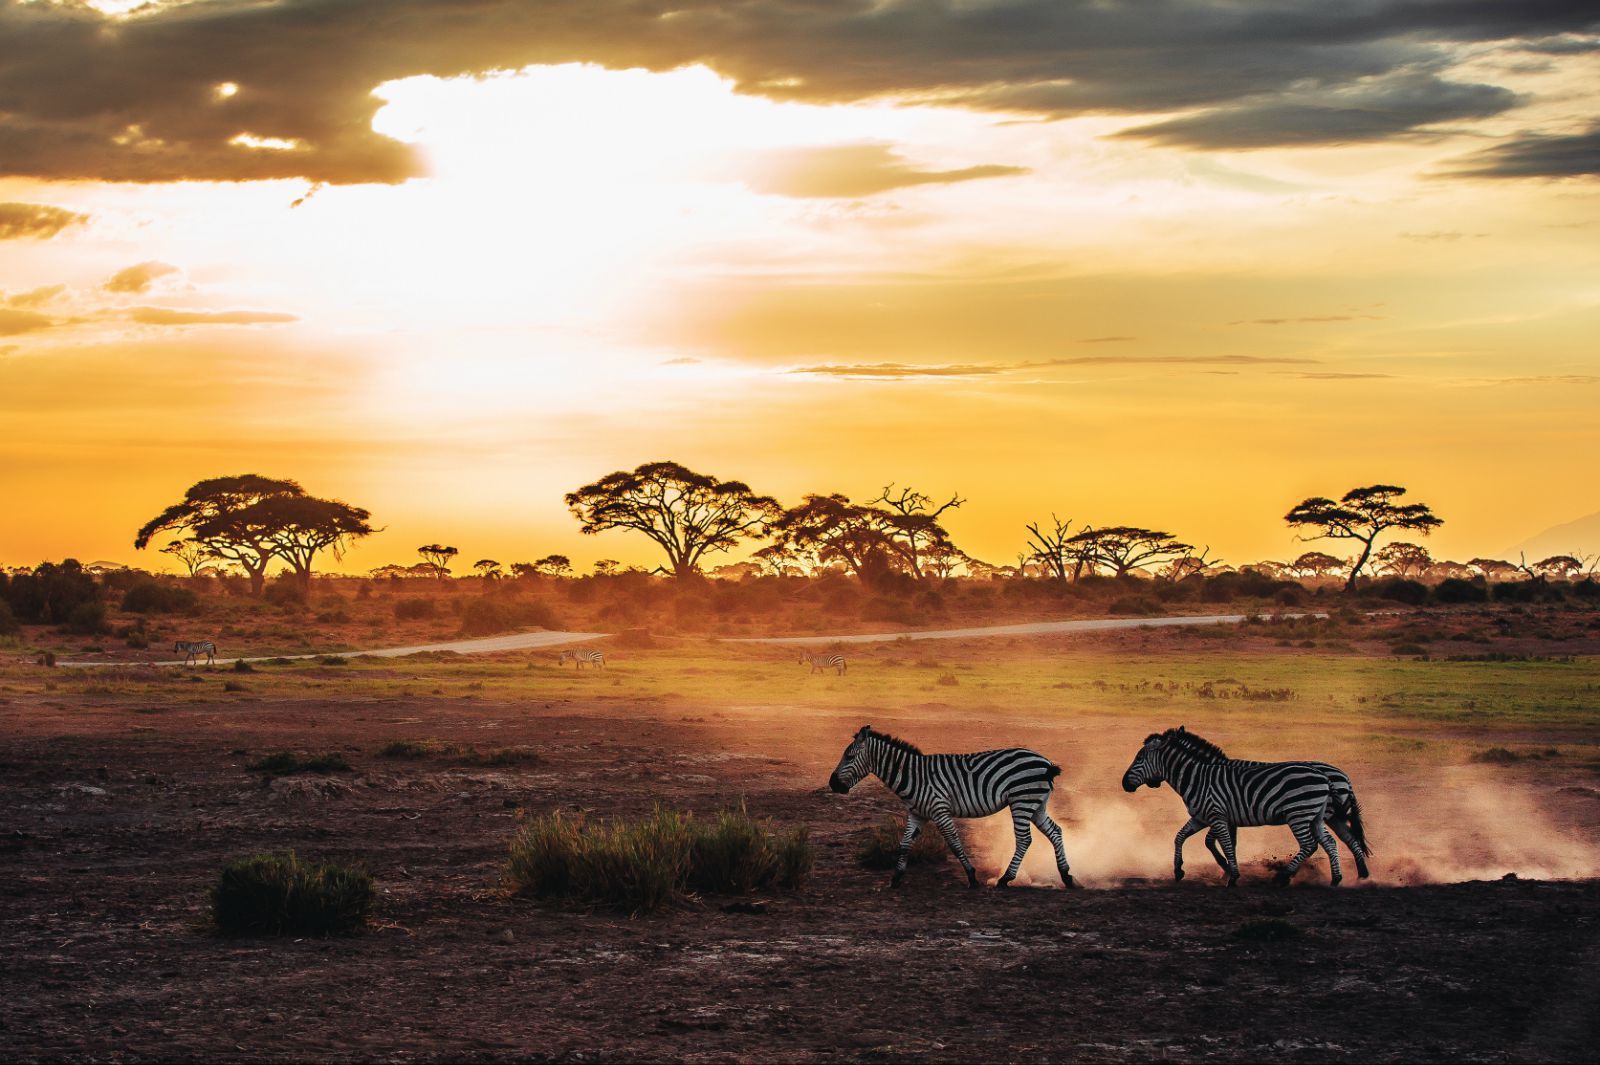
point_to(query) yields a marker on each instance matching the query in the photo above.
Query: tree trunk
(1355, 571)
(258, 579)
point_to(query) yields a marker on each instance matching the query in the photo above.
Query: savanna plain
(1470, 733)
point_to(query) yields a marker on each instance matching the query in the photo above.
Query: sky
(1174, 263)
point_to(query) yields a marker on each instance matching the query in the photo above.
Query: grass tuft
(287, 763)
(278, 894)
(881, 849)
(639, 866)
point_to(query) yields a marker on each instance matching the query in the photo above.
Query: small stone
(506, 936)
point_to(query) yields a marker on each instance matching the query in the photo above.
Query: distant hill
(1581, 536)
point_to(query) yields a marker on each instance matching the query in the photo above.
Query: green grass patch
(881, 848)
(461, 755)
(278, 894)
(638, 866)
(287, 763)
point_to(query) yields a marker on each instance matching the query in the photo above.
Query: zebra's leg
(907, 838)
(1307, 836)
(1224, 834)
(1022, 828)
(1052, 831)
(952, 838)
(1325, 838)
(1342, 829)
(1216, 851)
(1190, 827)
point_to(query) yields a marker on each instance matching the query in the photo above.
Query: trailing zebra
(583, 658)
(942, 787)
(191, 650)
(821, 662)
(1343, 817)
(1223, 794)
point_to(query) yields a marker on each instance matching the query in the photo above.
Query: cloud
(1341, 114)
(37, 220)
(1537, 155)
(139, 278)
(140, 98)
(682, 360)
(1310, 318)
(1105, 340)
(852, 170)
(1442, 235)
(900, 370)
(1334, 376)
(163, 316)
(15, 323)
(1552, 379)
(35, 297)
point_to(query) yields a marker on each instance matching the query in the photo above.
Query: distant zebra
(1343, 816)
(942, 787)
(583, 658)
(1223, 793)
(191, 650)
(821, 662)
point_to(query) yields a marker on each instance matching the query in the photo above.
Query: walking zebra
(191, 650)
(942, 787)
(823, 661)
(1343, 817)
(583, 658)
(1223, 793)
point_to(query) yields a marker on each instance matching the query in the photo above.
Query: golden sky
(1172, 263)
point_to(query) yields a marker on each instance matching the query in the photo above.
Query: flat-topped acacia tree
(1362, 514)
(214, 512)
(687, 514)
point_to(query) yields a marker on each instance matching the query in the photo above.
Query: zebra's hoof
(1282, 880)
(1177, 874)
(1002, 883)
(972, 880)
(1233, 881)
(894, 881)
(1337, 881)
(1069, 883)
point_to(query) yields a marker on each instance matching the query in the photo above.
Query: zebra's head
(854, 764)
(1148, 768)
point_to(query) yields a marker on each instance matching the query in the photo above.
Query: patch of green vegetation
(287, 763)
(881, 848)
(460, 755)
(278, 894)
(639, 866)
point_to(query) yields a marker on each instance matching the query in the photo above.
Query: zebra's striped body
(942, 787)
(818, 663)
(1224, 794)
(191, 650)
(583, 658)
(1343, 817)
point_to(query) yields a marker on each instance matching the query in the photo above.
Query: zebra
(582, 658)
(1223, 793)
(821, 662)
(1343, 817)
(192, 649)
(942, 787)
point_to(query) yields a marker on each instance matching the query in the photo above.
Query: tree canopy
(1362, 514)
(687, 514)
(217, 514)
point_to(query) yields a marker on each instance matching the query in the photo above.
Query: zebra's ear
(862, 731)
(1182, 729)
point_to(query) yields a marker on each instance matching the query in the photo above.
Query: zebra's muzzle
(839, 786)
(1130, 785)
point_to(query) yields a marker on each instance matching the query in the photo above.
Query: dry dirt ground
(113, 824)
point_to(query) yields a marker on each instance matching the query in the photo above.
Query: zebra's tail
(1053, 772)
(1353, 813)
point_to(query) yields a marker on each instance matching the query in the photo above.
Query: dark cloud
(852, 170)
(163, 316)
(138, 278)
(37, 220)
(1340, 114)
(135, 99)
(1536, 155)
(15, 322)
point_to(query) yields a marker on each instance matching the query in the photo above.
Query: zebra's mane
(895, 741)
(1197, 747)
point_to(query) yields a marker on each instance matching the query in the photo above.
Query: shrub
(413, 609)
(9, 626)
(277, 894)
(87, 619)
(947, 680)
(1457, 590)
(1133, 604)
(1400, 590)
(241, 666)
(234, 686)
(287, 763)
(50, 593)
(1293, 596)
(159, 597)
(639, 866)
(486, 616)
(409, 749)
(286, 592)
(881, 849)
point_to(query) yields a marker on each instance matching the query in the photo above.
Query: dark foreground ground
(113, 824)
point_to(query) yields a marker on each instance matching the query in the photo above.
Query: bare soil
(114, 823)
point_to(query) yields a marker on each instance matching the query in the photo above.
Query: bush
(286, 592)
(881, 849)
(486, 616)
(287, 763)
(639, 866)
(413, 609)
(1457, 590)
(277, 894)
(1134, 604)
(409, 749)
(9, 626)
(158, 597)
(1400, 590)
(87, 619)
(1292, 596)
(51, 593)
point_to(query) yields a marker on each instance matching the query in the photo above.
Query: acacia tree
(1191, 565)
(215, 514)
(911, 522)
(1125, 548)
(190, 552)
(301, 527)
(437, 557)
(1558, 567)
(1315, 565)
(1494, 569)
(1362, 514)
(488, 569)
(833, 529)
(1048, 546)
(1403, 559)
(687, 514)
